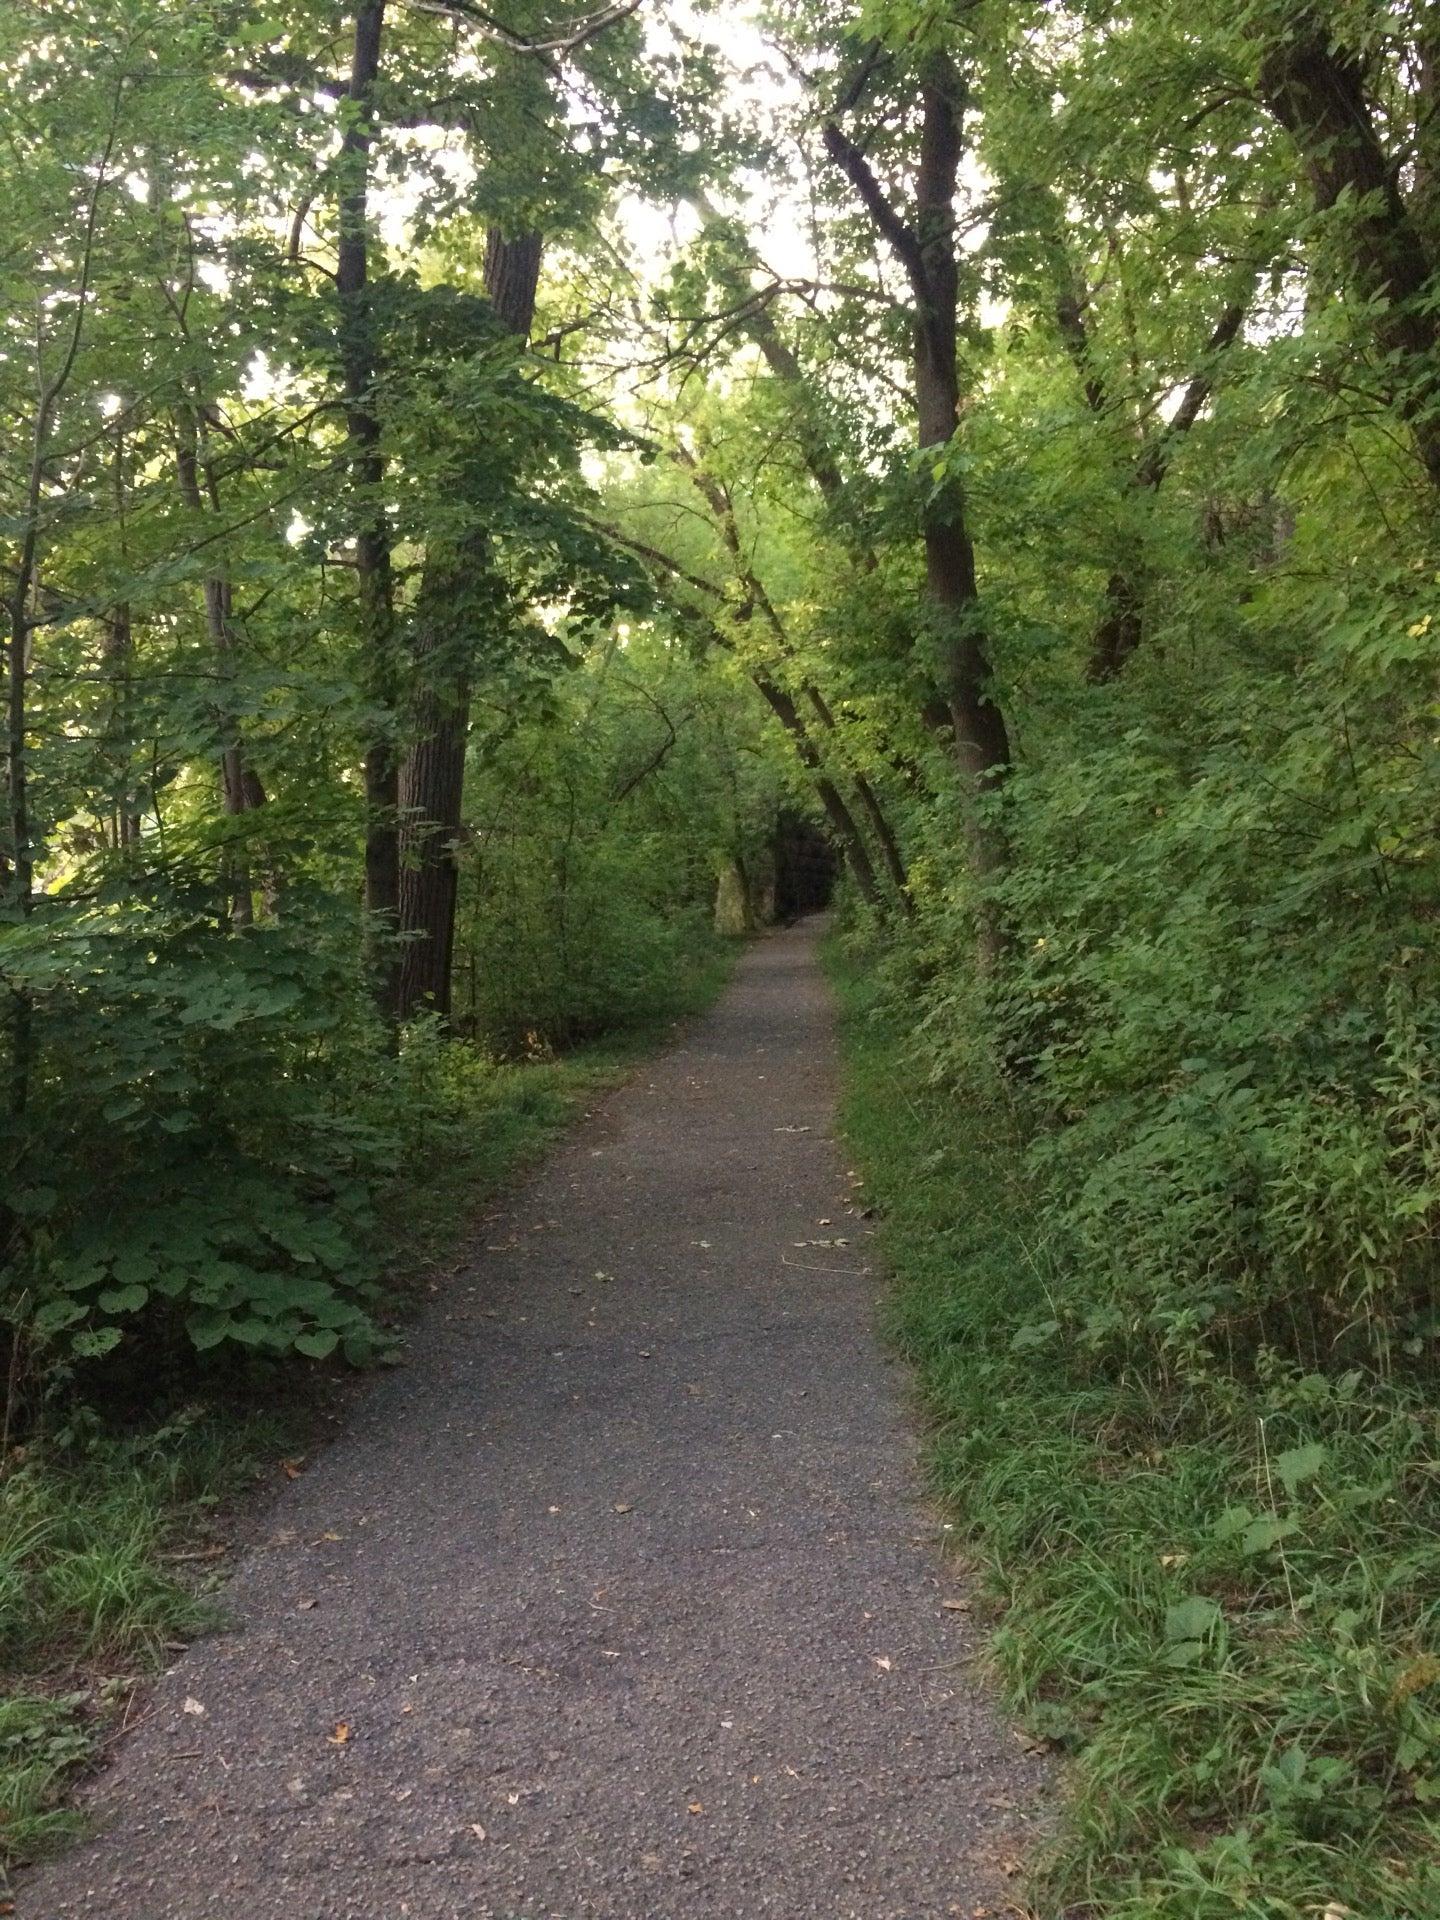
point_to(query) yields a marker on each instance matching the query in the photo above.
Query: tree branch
(466, 13)
(861, 175)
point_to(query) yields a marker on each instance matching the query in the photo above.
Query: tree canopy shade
(468, 472)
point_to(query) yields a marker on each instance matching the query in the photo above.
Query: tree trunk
(117, 653)
(981, 739)
(1426, 199)
(220, 629)
(512, 275)
(1317, 92)
(17, 869)
(359, 359)
(925, 246)
(432, 777)
(870, 804)
(17, 862)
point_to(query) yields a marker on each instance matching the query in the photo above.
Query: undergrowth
(1218, 1594)
(115, 1515)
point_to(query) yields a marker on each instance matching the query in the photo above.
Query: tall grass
(1219, 1595)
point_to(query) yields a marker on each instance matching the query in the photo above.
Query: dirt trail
(620, 1587)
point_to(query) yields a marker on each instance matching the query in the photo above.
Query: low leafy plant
(188, 1164)
(1216, 1587)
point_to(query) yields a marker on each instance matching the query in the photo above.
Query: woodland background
(465, 476)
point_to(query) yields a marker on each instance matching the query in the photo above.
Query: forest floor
(617, 1599)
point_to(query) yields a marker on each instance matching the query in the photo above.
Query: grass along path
(1220, 1595)
(114, 1532)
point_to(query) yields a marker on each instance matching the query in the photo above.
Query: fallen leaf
(695, 1807)
(292, 1469)
(477, 1830)
(192, 1705)
(956, 1606)
(883, 1661)
(340, 1735)
(308, 1606)
(622, 1506)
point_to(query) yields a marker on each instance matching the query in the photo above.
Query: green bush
(1216, 1568)
(189, 1162)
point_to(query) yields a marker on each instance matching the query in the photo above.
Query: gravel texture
(617, 1599)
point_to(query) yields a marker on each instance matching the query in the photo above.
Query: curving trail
(620, 1587)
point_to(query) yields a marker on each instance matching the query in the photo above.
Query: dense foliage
(466, 473)
(286, 513)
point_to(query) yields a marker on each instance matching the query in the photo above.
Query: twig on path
(807, 1266)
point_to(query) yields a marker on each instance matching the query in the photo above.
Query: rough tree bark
(359, 362)
(1317, 91)
(432, 775)
(925, 246)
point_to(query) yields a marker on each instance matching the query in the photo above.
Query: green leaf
(1036, 1335)
(123, 1299)
(207, 1329)
(96, 1342)
(1192, 1619)
(1300, 1463)
(1266, 1531)
(55, 1315)
(318, 1345)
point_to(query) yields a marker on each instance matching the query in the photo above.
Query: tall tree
(453, 601)
(922, 236)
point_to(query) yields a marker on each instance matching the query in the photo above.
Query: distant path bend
(620, 1586)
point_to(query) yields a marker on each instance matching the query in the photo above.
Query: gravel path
(616, 1600)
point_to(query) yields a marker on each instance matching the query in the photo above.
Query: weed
(1220, 1593)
